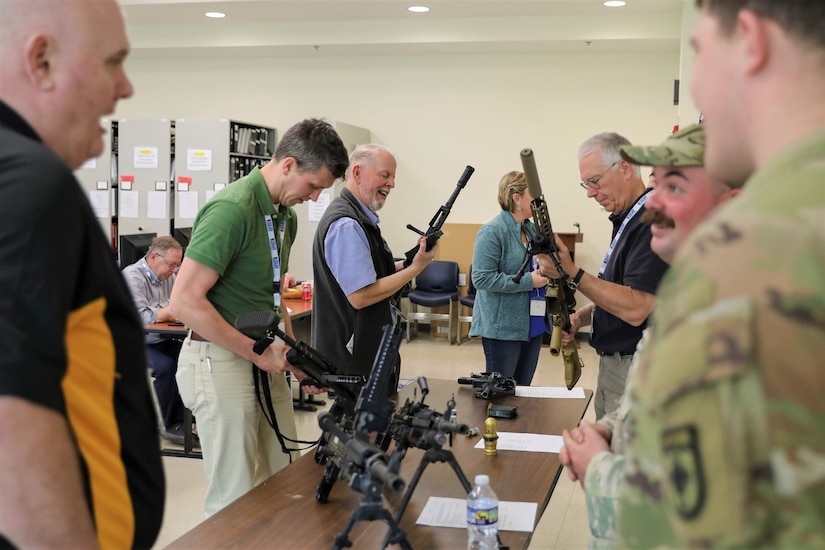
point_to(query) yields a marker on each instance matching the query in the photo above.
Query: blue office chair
(469, 301)
(436, 285)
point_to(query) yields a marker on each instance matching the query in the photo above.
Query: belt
(603, 353)
(196, 337)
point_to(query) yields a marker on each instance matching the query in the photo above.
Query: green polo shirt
(229, 235)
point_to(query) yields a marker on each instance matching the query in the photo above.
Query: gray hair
(607, 145)
(163, 243)
(363, 154)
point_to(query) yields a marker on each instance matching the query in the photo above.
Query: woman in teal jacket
(504, 308)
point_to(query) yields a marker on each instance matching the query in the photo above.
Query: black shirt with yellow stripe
(70, 338)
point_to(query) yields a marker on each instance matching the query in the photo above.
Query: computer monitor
(134, 247)
(183, 235)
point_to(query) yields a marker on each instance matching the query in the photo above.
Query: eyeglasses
(593, 183)
(172, 266)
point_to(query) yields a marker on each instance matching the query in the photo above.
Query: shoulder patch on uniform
(799, 312)
(722, 235)
(683, 470)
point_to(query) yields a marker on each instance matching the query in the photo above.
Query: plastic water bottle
(482, 516)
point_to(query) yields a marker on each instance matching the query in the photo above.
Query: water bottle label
(482, 516)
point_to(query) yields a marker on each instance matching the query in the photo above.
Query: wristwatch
(574, 284)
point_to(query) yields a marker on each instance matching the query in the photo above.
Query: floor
(564, 522)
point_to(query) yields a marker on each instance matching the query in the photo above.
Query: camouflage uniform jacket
(605, 473)
(729, 402)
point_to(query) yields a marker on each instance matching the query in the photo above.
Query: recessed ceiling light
(615, 3)
(418, 9)
(215, 14)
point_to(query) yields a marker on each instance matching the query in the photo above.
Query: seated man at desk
(150, 281)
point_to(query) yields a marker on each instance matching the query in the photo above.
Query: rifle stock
(561, 301)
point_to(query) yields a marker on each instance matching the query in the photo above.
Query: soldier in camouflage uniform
(684, 198)
(729, 400)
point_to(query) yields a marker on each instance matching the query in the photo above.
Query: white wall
(438, 114)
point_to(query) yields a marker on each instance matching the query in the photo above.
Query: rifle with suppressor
(560, 297)
(373, 412)
(434, 233)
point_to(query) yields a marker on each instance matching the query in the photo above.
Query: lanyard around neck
(633, 211)
(276, 260)
(154, 280)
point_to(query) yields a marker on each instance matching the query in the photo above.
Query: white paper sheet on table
(537, 443)
(452, 512)
(549, 392)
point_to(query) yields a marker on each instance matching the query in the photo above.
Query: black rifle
(365, 466)
(415, 425)
(560, 298)
(490, 385)
(352, 456)
(373, 412)
(434, 233)
(309, 361)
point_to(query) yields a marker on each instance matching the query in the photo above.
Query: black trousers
(163, 359)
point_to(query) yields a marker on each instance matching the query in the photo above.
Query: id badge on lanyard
(538, 308)
(276, 260)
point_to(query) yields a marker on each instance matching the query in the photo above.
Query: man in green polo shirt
(239, 250)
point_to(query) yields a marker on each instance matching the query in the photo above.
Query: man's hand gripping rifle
(320, 371)
(434, 233)
(561, 300)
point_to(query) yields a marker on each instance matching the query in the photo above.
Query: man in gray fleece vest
(357, 281)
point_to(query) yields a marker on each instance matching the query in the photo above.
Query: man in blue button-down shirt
(150, 281)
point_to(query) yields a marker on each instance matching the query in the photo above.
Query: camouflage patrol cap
(684, 148)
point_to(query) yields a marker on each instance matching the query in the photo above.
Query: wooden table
(282, 512)
(298, 309)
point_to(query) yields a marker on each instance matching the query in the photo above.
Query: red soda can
(306, 292)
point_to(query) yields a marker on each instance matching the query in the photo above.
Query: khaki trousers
(613, 371)
(240, 448)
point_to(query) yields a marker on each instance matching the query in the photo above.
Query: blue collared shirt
(347, 252)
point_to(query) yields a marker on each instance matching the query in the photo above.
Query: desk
(298, 309)
(282, 512)
(300, 312)
(166, 329)
(178, 331)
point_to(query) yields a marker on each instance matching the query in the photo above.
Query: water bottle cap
(482, 479)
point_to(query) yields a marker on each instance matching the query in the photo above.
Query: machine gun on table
(351, 455)
(560, 297)
(434, 232)
(490, 385)
(415, 425)
(372, 412)
(365, 466)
